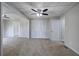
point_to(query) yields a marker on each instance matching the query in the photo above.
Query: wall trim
(72, 49)
(40, 38)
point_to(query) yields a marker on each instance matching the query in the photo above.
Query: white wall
(47, 28)
(24, 29)
(38, 28)
(72, 29)
(62, 27)
(15, 28)
(7, 28)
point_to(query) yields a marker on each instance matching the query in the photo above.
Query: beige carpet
(35, 47)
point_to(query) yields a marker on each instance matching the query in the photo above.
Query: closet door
(54, 30)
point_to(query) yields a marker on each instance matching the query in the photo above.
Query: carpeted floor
(35, 47)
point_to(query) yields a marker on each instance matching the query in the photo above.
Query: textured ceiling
(55, 9)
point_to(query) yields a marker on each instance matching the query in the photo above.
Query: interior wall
(47, 28)
(62, 19)
(7, 28)
(24, 29)
(72, 29)
(38, 28)
(15, 28)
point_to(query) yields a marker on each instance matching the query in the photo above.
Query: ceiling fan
(39, 12)
(5, 16)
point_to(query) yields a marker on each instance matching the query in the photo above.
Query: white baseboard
(56, 40)
(72, 49)
(40, 38)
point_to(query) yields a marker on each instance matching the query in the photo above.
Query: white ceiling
(55, 9)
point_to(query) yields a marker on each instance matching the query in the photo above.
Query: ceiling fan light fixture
(40, 12)
(39, 15)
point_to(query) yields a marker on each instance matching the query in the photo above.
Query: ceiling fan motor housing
(39, 10)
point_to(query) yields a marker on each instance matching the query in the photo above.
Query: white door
(55, 30)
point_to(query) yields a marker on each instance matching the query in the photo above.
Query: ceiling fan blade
(5, 16)
(44, 14)
(45, 10)
(34, 10)
(33, 13)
